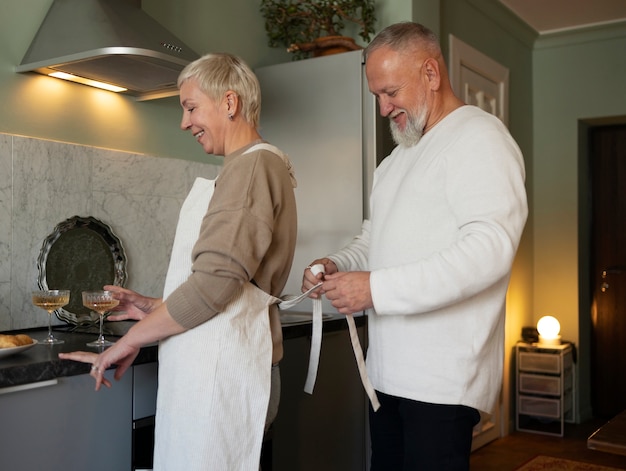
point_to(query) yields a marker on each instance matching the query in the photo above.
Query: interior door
(608, 269)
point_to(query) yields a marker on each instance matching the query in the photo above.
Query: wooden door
(608, 269)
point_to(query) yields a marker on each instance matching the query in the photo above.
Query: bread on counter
(10, 341)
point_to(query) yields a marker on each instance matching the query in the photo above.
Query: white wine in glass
(100, 302)
(51, 300)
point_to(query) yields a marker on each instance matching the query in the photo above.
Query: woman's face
(203, 117)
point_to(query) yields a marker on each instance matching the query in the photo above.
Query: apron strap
(279, 153)
(316, 349)
(360, 361)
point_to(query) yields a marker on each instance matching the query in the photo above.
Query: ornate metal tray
(81, 254)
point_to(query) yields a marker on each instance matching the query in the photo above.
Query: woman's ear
(232, 100)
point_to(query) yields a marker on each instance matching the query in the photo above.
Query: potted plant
(315, 26)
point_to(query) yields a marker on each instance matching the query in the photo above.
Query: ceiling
(549, 16)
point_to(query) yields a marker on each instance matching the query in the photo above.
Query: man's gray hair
(405, 36)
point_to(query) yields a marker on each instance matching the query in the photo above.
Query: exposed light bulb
(549, 328)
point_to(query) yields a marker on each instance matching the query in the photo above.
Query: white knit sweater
(446, 219)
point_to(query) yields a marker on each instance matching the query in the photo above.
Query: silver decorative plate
(81, 254)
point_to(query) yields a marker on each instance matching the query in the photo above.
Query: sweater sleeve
(353, 257)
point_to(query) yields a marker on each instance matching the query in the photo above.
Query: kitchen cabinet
(545, 388)
(326, 430)
(63, 424)
(145, 383)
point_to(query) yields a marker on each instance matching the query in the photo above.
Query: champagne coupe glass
(101, 302)
(51, 300)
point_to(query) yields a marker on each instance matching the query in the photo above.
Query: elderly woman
(217, 322)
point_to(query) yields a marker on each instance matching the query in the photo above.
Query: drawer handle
(26, 387)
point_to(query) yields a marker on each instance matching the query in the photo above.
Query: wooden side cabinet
(545, 390)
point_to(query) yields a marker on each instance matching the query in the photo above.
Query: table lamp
(549, 328)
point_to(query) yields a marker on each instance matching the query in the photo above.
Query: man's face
(398, 84)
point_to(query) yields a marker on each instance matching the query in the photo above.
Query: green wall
(577, 77)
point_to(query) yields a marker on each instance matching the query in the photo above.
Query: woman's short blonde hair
(218, 73)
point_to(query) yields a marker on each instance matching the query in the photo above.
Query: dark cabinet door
(65, 425)
(326, 430)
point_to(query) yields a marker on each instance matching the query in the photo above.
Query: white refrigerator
(321, 113)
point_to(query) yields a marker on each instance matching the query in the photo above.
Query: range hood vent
(110, 41)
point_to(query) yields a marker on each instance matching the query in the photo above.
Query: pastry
(11, 341)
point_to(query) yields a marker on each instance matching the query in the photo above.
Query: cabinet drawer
(538, 406)
(543, 407)
(540, 363)
(539, 384)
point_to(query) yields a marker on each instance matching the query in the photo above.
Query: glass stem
(101, 321)
(50, 325)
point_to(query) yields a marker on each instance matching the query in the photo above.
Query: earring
(230, 116)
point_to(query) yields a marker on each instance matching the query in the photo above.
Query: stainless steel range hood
(110, 41)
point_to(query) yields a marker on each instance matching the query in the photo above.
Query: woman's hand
(120, 354)
(134, 305)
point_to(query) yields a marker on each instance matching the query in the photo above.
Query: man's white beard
(413, 130)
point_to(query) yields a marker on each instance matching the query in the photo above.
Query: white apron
(214, 379)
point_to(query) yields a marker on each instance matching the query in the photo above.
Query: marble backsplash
(43, 183)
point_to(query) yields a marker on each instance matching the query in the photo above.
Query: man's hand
(348, 292)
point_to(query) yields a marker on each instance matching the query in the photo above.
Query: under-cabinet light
(84, 81)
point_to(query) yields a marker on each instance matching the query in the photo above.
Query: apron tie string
(316, 344)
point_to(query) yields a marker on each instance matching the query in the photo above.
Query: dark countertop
(42, 363)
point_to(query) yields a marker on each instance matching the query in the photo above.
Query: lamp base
(550, 341)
